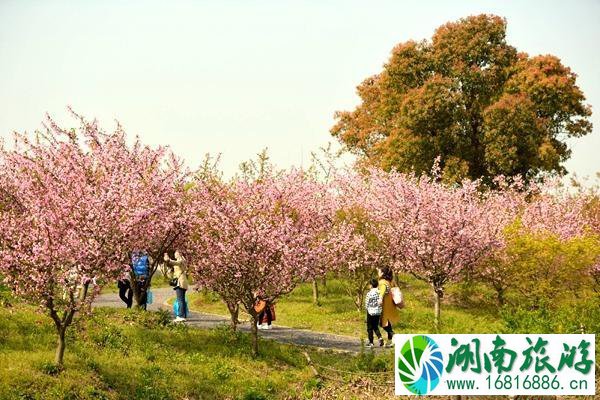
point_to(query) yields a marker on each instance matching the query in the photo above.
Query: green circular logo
(420, 364)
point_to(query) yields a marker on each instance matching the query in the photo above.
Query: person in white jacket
(373, 306)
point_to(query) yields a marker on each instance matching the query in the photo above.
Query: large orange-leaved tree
(471, 98)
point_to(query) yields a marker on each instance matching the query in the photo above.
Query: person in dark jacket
(125, 292)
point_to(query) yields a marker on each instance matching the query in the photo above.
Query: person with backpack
(389, 313)
(140, 262)
(373, 306)
(178, 265)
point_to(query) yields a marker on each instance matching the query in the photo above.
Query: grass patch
(126, 354)
(131, 354)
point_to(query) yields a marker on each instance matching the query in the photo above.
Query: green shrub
(148, 320)
(312, 384)
(369, 361)
(228, 335)
(92, 365)
(49, 368)
(222, 371)
(574, 316)
(540, 270)
(6, 298)
(111, 337)
(92, 392)
(254, 394)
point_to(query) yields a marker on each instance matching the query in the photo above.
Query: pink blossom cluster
(354, 241)
(257, 238)
(552, 209)
(433, 230)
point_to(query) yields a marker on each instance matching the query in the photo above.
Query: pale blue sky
(235, 77)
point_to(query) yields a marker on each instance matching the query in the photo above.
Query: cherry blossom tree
(158, 211)
(78, 202)
(257, 237)
(435, 231)
(355, 251)
(61, 229)
(354, 247)
(589, 193)
(544, 209)
(324, 164)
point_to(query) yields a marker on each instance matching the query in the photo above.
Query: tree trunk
(135, 289)
(139, 290)
(315, 289)
(60, 348)
(358, 299)
(437, 297)
(136, 294)
(500, 297)
(234, 311)
(254, 330)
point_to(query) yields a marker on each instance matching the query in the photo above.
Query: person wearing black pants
(373, 326)
(389, 330)
(125, 292)
(141, 282)
(389, 313)
(373, 307)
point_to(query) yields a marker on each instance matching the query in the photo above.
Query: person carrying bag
(180, 283)
(389, 314)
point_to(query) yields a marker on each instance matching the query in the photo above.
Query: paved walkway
(300, 337)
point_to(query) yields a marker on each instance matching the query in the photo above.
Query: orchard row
(74, 204)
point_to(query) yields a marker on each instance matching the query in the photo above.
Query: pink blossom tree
(594, 222)
(156, 211)
(589, 193)
(157, 207)
(355, 251)
(354, 247)
(435, 231)
(553, 209)
(544, 209)
(61, 229)
(256, 238)
(79, 201)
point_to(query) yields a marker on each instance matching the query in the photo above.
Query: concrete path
(282, 334)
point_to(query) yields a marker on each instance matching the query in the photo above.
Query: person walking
(389, 313)
(373, 307)
(179, 275)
